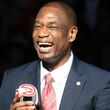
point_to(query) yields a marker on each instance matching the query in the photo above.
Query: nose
(43, 32)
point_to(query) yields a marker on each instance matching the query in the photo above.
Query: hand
(21, 105)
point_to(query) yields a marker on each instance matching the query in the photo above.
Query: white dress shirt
(60, 76)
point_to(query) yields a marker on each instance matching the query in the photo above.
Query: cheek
(61, 43)
(34, 35)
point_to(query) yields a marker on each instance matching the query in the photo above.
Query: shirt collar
(60, 73)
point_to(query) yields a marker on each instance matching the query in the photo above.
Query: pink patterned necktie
(48, 94)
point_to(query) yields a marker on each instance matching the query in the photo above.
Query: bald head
(69, 13)
(54, 31)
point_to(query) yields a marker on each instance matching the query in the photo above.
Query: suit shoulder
(22, 68)
(91, 69)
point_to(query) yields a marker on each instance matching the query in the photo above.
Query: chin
(44, 58)
(48, 60)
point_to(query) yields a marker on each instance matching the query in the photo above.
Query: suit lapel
(32, 76)
(73, 87)
(37, 83)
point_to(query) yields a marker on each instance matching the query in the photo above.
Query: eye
(36, 26)
(53, 27)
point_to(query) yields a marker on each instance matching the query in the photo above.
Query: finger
(26, 108)
(15, 100)
(24, 104)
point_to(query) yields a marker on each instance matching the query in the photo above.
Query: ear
(72, 33)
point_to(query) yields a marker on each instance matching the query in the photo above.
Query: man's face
(50, 34)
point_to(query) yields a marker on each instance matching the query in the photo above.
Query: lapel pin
(78, 83)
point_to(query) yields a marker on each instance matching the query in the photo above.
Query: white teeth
(43, 43)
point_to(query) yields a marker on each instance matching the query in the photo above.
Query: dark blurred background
(16, 24)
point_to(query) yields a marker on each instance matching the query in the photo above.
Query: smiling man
(63, 81)
(53, 34)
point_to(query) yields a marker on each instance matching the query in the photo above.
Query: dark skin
(53, 26)
(25, 105)
(53, 34)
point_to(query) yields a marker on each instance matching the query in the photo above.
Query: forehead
(50, 13)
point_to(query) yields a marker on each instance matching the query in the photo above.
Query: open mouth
(45, 44)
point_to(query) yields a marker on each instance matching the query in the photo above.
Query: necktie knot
(48, 78)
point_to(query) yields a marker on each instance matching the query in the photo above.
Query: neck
(50, 66)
